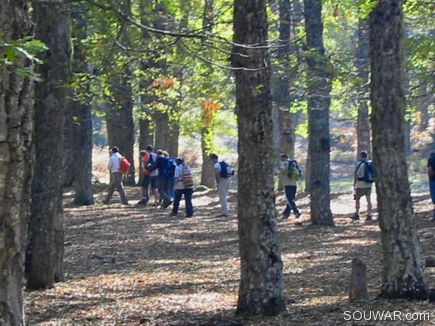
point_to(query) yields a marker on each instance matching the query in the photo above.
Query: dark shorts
(361, 192)
(148, 180)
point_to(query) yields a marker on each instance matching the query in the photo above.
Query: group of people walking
(168, 188)
(362, 185)
(165, 179)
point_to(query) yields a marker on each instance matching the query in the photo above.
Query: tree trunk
(146, 124)
(161, 120)
(207, 171)
(403, 273)
(145, 139)
(174, 136)
(286, 122)
(423, 101)
(119, 119)
(68, 144)
(261, 284)
(362, 66)
(15, 164)
(46, 230)
(319, 86)
(82, 127)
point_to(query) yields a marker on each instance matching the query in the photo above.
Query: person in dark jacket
(163, 183)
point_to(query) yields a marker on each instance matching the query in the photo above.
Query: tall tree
(81, 111)
(119, 113)
(15, 165)
(44, 262)
(319, 87)
(362, 66)
(403, 274)
(284, 75)
(146, 134)
(261, 282)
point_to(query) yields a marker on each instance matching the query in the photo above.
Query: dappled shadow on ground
(136, 265)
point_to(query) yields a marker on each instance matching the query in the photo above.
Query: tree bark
(119, 115)
(362, 65)
(44, 264)
(403, 273)
(82, 127)
(207, 170)
(119, 119)
(261, 284)
(161, 120)
(319, 87)
(15, 163)
(282, 79)
(68, 144)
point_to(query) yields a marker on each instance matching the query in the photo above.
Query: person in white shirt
(115, 177)
(223, 184)
(183, 185)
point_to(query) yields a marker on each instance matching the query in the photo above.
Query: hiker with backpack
(183, 185)
(363, 180)
(164, 166)
(431, 176)
(289, 173)
(222, 174)
(150, 178)
(115, 177)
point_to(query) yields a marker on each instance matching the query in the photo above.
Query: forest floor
(136, 265)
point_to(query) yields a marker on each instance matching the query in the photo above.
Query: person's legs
(163, 186)
(120, 187)
(223, 190)
(291, 199)
(110, 191)
(155, 189)
(171, 188)
(145, 192)
(359, 192)
(188, 199)
(432, 196)
(369, 203)
(287, 210)
(177, 198)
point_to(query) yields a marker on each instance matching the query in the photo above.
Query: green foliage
(27, 47)
(174, 63)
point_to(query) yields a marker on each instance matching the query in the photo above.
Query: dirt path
(135, 265)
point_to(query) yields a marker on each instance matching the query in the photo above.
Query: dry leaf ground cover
(135, 265)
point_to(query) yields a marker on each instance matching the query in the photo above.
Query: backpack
(151, 165)
(124, 165)
(168, 170)
(226, 170)
(369, 171)
(294, 172)
(186, 177)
